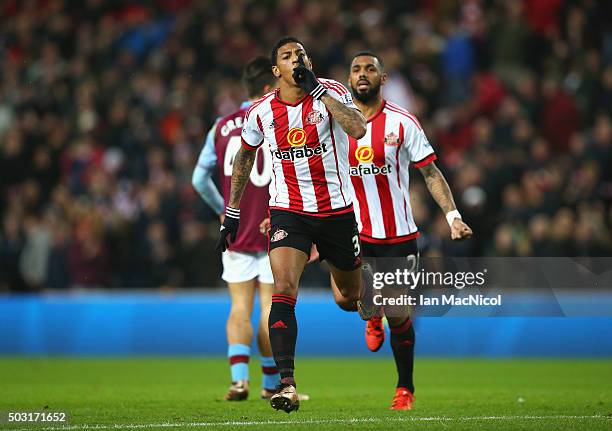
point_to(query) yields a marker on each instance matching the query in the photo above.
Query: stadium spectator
(103, 106)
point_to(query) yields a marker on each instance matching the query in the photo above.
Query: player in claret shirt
(246, 267)
(379, 164)
(306, 123)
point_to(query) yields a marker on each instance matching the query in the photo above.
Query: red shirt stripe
(397, 163)
(382, 181)
(315, 163)
(360, 194)
(281, 117)
(333, 139)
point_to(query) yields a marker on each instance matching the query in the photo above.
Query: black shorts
(389, 257)
(400, 249)
(336, 236)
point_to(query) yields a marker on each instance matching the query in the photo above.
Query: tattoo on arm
(241, 170)
(438, 187)
(351, 120)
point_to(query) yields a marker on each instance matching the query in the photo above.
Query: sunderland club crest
(392, 139)
(278, 235)
(313, 118)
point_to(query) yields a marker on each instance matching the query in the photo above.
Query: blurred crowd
(104, 105)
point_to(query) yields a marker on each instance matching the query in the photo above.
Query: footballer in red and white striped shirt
(379, 164)
(309, 151)
(307, 123)
(379, 173)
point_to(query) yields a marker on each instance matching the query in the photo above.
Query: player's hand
(229, 228)
(460, 230)
(306, 79)
(264, 226)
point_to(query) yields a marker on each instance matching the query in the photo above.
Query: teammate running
(245, 265)
(379, 173)
(306, 122)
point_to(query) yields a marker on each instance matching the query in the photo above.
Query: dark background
(104, 106)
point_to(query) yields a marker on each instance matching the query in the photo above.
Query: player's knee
(350, 294)
(346, 304)
(395, 321)
(285, 287)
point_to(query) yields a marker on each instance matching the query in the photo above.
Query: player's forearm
(438, 187)
(241, 169)
(351, 120)
(205, 186)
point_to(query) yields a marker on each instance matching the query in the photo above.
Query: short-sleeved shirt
(309, 151)
(379, 165)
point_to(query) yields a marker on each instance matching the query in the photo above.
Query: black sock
(402, 344)
(283, 334)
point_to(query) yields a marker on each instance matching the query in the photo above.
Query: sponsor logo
(296, 136)
(314, 117)
(300, 152)
(279, 324)
(278, 235)
(272, 125)
(361, 170)
(364, 154)
(392, 139)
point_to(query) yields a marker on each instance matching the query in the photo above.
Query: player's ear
(276, 71)
(383, 78)
(308, 63)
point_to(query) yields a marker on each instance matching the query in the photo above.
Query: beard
(367, 96)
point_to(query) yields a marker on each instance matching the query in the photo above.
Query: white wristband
(232, 212)
(451, 216)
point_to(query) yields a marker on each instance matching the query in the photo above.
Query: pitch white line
(307, 422)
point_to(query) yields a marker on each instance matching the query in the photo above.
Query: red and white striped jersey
(309, 151)
(379, 173)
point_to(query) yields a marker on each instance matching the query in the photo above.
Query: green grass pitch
(347, 393)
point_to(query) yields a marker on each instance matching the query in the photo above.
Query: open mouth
(363, 85)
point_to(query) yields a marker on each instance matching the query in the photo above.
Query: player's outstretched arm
(439, 189)
(351, 120)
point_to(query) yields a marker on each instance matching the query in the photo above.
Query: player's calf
(366, 307)
(283, 335)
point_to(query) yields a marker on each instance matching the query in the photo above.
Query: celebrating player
(379, 173)
(306, 122)
(246, 262)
